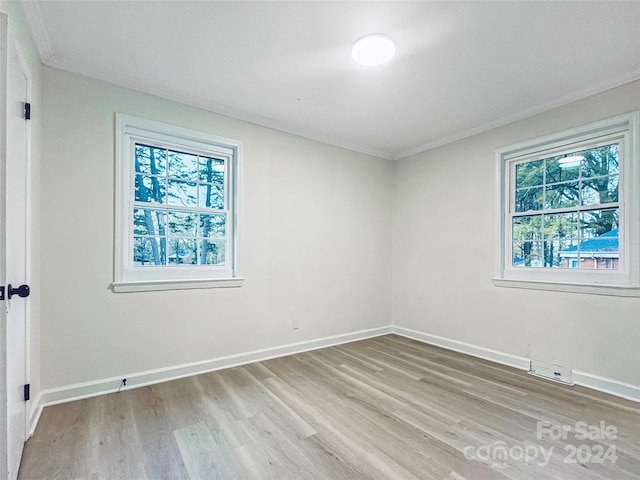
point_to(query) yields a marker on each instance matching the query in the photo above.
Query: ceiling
(460, 68)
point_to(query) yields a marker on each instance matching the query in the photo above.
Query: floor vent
(551, 371)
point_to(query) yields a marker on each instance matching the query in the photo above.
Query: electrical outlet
(295, 323)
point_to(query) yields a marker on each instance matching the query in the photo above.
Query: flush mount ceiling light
(571, 161)
(374, 49)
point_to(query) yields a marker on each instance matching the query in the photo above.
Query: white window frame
(129, 277)
(625, 281)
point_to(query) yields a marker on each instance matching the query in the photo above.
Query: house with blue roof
(601, 252)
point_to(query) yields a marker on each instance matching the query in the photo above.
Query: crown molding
(530, 112)
(39, 33)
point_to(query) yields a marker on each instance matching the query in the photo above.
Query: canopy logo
(500, 455)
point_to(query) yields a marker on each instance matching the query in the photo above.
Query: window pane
(599, 246)
(561, 225)
(150, 160)
(183, 165)
(182, 224)
(149, 251)
(150, 189)
(601, 252)
(527, 228)
(527, 254)
(212, 196)
(183, 193)
(600, 161)
(213, 252)
(557, 252)
(561, 169)
(599, 222)
(561, 195)
(527, 248)
(182, 251)
(600, 190)
(211, 170)
(213, 226)
(529, 199)
(529, 174)
(148, 221)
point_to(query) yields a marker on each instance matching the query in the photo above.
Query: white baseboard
(35, 411)
(473, 350)
(69, 393)
(606, 385)
(594, 382)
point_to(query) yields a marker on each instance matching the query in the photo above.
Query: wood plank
(206, 453)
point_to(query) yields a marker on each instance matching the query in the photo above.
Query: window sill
(157, 285)
(593, 289)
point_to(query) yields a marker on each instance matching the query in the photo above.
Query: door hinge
(27, 392)
(27, 111)
(2, 293)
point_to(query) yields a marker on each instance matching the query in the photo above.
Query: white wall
(328, 235)
(444, 247)
(316, 243)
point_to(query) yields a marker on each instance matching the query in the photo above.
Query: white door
(16, 228)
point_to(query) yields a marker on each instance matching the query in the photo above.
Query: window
(569, 210)
(176, 207)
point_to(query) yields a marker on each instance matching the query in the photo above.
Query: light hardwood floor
(383, 408)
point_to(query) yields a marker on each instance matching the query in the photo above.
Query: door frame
(4, 41)
(9, 44)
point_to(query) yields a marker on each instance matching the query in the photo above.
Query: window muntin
(176, 207)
